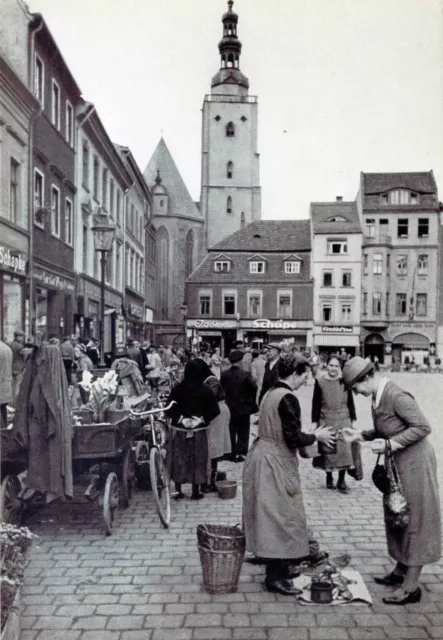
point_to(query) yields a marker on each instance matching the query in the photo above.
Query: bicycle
(151, 450)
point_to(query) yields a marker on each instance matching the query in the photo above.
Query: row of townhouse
(60, 173)
(362, 275)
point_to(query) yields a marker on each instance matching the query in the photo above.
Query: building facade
(230, 190)
(255, 286)
(401, 236)
(336, 256)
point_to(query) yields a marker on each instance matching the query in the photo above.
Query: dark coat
(240, 390)
(270, 377)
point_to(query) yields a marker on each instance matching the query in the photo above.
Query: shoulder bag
(395, 504)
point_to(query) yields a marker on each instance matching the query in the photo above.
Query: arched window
(230, 60)
(189, 253)
(229, 205)
(229, 169)
(162, 273)
(230, 130)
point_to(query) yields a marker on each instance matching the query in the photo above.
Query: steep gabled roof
(322, 214)
(422, 182)
(269, 235)
(180, 201)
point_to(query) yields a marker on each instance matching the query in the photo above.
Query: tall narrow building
(230, 191)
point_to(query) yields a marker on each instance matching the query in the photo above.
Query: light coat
(5, 373)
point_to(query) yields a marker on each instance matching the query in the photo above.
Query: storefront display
(14, 292)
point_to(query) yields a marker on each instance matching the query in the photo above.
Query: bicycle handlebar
(143, 414)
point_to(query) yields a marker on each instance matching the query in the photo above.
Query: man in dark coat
(241, 391)
(270, 375)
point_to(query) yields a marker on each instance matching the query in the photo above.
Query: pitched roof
(269, 235)
(422, 182)
(180, 201)
(323, 212)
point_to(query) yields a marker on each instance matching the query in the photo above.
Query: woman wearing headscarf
(189, 450)
(273, 510)
(399, 420)
(219, 436)
(333, 406)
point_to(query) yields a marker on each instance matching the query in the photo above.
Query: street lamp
(184, 312)
(104, 232)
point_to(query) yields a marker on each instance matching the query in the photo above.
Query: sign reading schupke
(334, 329)
(10, 260)
(263, 323)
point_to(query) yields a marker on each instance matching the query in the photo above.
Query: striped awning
(336, 341)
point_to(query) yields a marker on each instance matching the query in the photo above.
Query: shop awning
(412, 341)
(336, 341)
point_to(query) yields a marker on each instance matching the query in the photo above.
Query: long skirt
(189, 457)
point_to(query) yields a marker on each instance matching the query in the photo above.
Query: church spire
(230, 50)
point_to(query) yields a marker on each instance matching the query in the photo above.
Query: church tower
(230, 191)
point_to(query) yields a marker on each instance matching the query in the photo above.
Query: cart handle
(143, 414)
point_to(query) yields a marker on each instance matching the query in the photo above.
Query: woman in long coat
(189, 451)
(219, 437)
(273, 511)
(333, 406)
(398, 418)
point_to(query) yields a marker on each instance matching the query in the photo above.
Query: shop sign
(53, 281)
(211, 324)
(408, 326)
(91, 289)
(336, 329)
(136, 310)
(277, 324)
(12, 260)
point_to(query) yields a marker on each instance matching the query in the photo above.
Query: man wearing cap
(273, 350)
(241, 391)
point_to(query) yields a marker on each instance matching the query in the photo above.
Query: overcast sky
(343, 85)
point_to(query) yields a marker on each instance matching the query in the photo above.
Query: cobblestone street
(144, 582)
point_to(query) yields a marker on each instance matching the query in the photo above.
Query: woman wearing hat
(273, 510)
(398, 418)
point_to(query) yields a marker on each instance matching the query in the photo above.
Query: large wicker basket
(221, 549)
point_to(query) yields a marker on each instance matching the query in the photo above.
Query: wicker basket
(227, 489)
(221, 550)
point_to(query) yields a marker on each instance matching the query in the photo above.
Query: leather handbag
(380, 476)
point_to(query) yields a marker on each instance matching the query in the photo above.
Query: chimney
(339, 198)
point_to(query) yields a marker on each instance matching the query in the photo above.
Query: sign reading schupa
(12, 260)
(335, 329)
(211, 324)
(271, 324)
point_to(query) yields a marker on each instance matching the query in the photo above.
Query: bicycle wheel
(160, 486)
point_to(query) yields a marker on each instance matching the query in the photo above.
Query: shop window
(402, 228)
(327, 278)
(402, 265)
(229, 305)
(55, 105)
(346, 312)
(377, 265)
(370, 228)
(365, 303)
(11, 307)
(401, 304)
(254, 306)
(422, 304)
(422, 264)
(292, 266)
(327, 313)
(205, 305)
(346, 279)
(14, 191)
(337, 247)
(55, 211)
(284, 306)
(376, 303)
(42, 310)
(423, 227)
(256, 267)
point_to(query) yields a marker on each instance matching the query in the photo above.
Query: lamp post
(104, 232)
(184, 312)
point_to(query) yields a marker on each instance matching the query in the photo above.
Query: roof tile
(269, 235)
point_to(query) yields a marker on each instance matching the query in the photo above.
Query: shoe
(330, 484)
(240, 458)
(343, 487)
(197, 496)
(285, 587)
(179, 495)
(404, 597)
(353, 474)
(390, 580)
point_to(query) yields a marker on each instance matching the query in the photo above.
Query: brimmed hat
(235, 355)
(272, 345)
(355, 369)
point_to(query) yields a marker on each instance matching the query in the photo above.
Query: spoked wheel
(160, 486)
(11, 507)
(110, 502)
(128, 476)
(142, 464)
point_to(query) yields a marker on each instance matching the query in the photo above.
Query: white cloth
(381, 388)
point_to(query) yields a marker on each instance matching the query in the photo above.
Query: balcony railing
(377, 238)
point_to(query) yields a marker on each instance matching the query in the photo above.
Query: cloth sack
(395, 504)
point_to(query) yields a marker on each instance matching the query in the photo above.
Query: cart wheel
(160, 486)
(110, 502)
(11, 507)
(128, 476)
(142, 464)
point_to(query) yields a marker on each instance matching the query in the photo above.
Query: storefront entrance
(374, 346)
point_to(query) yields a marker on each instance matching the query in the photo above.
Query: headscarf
(214, 384)
(196, 372)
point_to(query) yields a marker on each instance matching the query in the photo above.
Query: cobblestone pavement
(144, 583)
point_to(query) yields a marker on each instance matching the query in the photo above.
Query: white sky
(344, 85)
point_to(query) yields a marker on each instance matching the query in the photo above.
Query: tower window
(230, 130)
(243, 118)
(229, 170)
(162, 202)
(229, 205)
(230, 60)
(217, 118)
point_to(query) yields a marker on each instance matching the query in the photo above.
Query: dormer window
(257, 267)
(292, 266)
(230, 130)
(222, 266)
(338, 219)
(399, 197)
